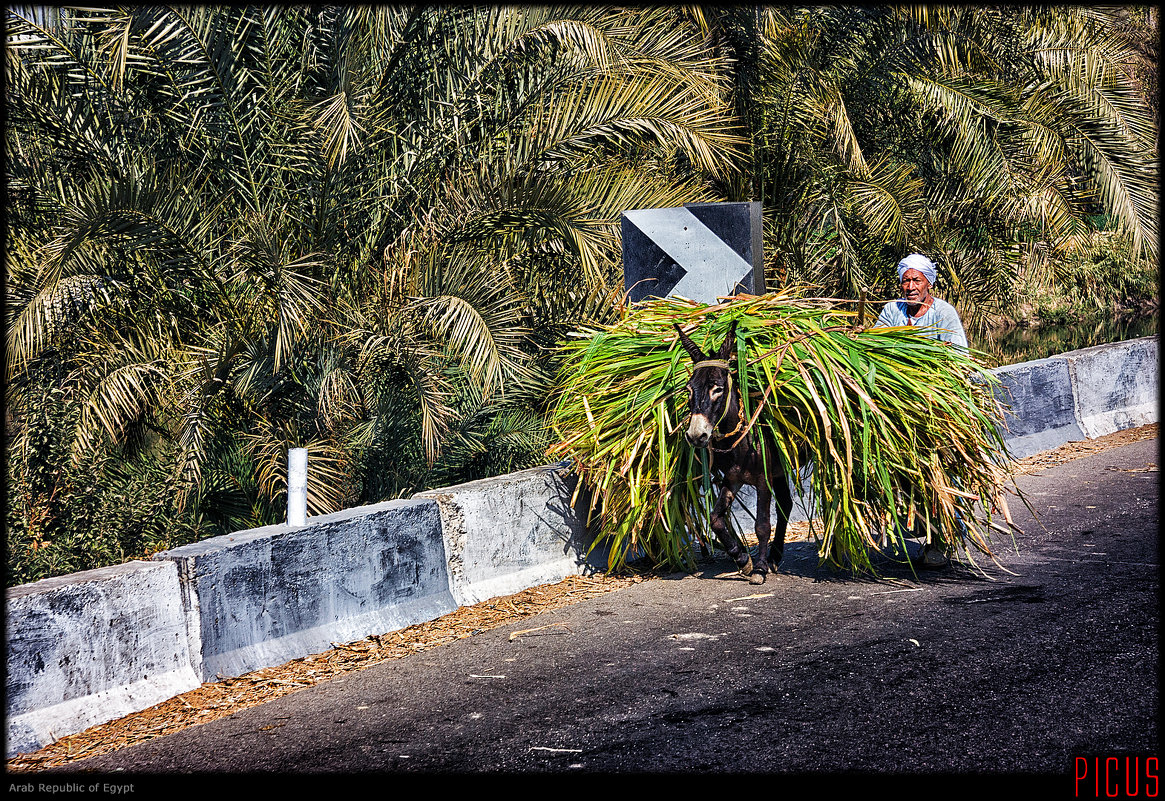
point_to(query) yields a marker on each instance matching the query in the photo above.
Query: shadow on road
(801, 561)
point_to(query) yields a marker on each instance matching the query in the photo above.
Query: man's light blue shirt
(940, 316)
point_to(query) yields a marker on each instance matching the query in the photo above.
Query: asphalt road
(812, 674)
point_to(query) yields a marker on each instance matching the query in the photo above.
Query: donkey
(717, 423)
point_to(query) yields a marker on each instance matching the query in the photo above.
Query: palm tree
(238, 230)
(982, 136)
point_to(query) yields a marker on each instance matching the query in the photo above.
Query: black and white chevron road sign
(701, 251)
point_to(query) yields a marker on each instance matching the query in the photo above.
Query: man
(916, 275)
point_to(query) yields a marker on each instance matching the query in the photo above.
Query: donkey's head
(710, 396)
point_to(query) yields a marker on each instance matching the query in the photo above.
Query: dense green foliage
(1094, 281)
(237, 230)
(896, 425)
(366, 231)
(981, 136)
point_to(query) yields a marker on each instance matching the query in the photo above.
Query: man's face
(915, 287)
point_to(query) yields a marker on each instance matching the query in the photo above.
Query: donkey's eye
(715, 392)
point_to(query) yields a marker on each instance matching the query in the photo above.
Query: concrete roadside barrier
(1115, 386)
(90, 647)
(1041, 411)
(269, 595)
(511, 532)
(1082, 394)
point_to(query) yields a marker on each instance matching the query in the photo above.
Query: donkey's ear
(690, 346)
(729, 346)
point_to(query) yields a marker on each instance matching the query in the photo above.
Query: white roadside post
(296, 486)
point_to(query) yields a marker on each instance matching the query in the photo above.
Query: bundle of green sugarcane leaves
(899, 433)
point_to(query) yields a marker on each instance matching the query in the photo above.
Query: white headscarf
(916, 261)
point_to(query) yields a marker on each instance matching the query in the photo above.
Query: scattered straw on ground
(219, 699)
(1075, 450)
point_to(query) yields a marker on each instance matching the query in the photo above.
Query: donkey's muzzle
(699, 431)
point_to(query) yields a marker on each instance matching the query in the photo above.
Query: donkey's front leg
(723, 533)
(761, 565)
(784, 497)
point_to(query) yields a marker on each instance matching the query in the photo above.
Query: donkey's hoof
(756, 578)
(747, 568)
